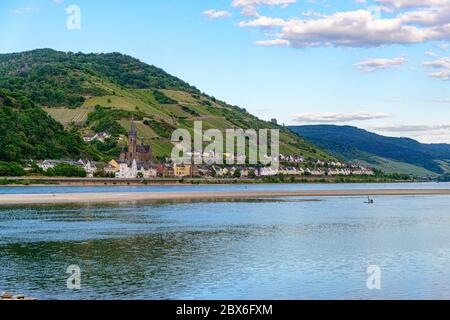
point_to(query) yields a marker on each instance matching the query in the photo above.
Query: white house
(315, 172)
(290, 171)
(268, 171)
(89, 167)
(126, 171)
(101, 136)
(136, 170)
(50, 164)
(220, 171)
(46, 164)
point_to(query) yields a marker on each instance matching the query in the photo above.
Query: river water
(285, 248)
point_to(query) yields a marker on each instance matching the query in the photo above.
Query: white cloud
(249, 7)
(372, 65)
(440, 68)
(274, 42)
(331, 117)
(264, 22)
(360, 28)
(435, 16)
(426, 133)
(312, 13)
(413, 3)
(412, 127)
(215, 14)
(23, 10)
(444, 101)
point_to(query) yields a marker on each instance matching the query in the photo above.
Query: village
(138, 169)
(137, 162)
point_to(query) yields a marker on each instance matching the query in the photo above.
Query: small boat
(369, 200)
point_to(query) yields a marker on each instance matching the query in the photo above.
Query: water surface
(227, 187)
(286, 248)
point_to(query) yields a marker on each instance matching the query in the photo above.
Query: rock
(6, 295)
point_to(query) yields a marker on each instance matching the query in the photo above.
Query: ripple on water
(268, 249)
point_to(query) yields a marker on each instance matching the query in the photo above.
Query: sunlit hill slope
(104, 92)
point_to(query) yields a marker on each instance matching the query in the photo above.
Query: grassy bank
(24, 182)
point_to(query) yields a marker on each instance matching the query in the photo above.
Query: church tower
(132, 142)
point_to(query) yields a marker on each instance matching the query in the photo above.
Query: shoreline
(124, 197)
(111, 182)
(205, 183)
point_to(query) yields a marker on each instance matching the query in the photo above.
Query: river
(285, 248)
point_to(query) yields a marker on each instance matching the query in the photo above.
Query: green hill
(402, 155)
(103, 92)
(27, 132)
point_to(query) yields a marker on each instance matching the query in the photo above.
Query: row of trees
(65, 170)
(14, 169)
(11, 169)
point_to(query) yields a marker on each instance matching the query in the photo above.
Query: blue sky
(382, 65)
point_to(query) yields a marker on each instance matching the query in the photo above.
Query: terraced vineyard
(103, 92)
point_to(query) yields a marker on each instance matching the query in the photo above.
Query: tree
(66, 170)
(27, 132)
(11, 169)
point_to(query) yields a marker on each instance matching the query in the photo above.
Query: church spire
(133, 131)
(132, 142)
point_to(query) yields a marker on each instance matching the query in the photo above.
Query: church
(139, 152)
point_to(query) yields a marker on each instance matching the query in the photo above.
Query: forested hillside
(403, 154)
(28, 132)
(102, 92)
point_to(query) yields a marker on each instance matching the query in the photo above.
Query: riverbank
(64, 198)
(58, 181)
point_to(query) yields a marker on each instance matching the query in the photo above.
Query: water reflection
(230, 187)
(270, 249)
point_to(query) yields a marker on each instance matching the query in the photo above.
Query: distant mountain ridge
(354, 144)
